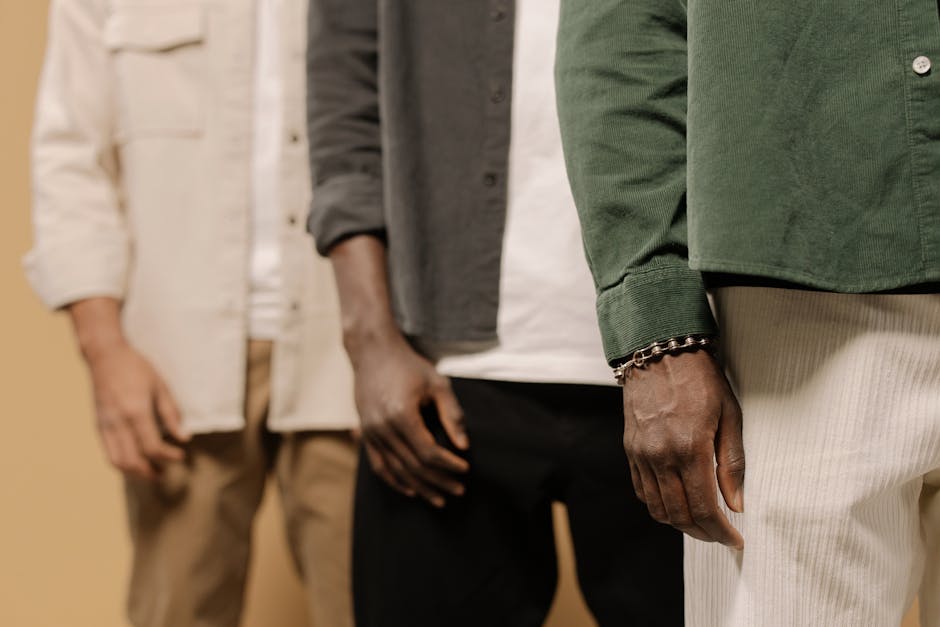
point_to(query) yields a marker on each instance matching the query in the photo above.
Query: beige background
(63, 547)
(64, 551)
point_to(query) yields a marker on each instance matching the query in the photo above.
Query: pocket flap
(154, 28)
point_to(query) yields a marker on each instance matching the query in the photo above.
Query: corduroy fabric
(841, 402)
(782, 140)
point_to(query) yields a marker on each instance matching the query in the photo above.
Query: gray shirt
(409, 116)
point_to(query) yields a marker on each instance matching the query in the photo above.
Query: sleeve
(343, 121)
(80, 235)
(622, 94)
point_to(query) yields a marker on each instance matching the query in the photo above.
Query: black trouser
(488, 558)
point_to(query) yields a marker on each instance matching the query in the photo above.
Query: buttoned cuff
(343, 206)
(657, 304)
(67, 274)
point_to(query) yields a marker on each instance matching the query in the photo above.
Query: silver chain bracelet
(657, 350)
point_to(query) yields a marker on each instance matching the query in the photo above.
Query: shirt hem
(875, 284)
(534, 370)
(205, 427)
(222, 425)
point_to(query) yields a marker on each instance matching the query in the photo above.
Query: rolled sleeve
(81, 247)
(343, 121)
(343, 206)
(68, 273)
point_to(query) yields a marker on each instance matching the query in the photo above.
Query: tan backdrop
(63, 547)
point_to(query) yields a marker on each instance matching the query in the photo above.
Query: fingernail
(739, 501)
(438, 502)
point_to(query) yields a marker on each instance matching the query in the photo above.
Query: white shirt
(547, 325)
(265, 300)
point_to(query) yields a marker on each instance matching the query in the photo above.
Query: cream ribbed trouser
(841, 402)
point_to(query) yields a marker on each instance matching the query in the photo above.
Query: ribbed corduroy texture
(785, 140)
(841, 402)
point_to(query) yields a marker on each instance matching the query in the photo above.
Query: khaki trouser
(191, 530)
(841, 522)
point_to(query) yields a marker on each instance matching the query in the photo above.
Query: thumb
(169, 414)
(729, 453)
(451, 414)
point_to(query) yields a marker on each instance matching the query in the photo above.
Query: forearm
(97, 325)
(359, 264)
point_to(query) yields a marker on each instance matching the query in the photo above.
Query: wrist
(659, 350)
(362, 338)
(96, 343)
(97, 324)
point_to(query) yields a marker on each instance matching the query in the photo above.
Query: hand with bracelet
(680, 418)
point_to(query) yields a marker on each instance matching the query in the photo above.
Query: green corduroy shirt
(796, 141)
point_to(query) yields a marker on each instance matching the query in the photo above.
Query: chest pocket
(160, 62)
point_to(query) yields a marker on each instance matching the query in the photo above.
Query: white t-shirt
(547, 325)
(265, 284)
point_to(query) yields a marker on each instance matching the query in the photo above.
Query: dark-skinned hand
(680, 419)
(393, 383)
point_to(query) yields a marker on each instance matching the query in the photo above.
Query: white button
(921, 65)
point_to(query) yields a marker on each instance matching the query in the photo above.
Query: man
(170, 177)
(467, 316)
(781, 157)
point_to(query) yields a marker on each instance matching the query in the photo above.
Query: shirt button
(921, 65)
(498, 14)
(295, 306)
(498, 95)
(489, 179)
(292, 220)
(294, 137)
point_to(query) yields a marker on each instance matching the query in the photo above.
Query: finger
(729, 452)
(380, 468)
(440, 480)
(133, 461)
(152, 445)
(637, 483)
(702, 496)
(418, 470)
(397, 465)
(677, 509)
(653, 499)
(398, 457)
(169, 414)
(111, 446)
(451, 414)
(416, 434)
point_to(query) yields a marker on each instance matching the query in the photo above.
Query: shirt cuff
(655, 305)
(68, 274)
(345, 205)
